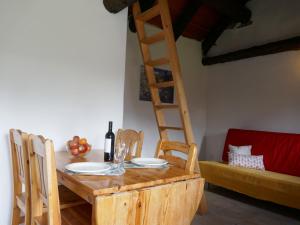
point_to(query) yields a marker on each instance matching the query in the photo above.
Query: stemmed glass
(120, 152)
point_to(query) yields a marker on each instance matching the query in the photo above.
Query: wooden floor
(229, 208)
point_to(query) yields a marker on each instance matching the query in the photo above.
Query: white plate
(149, 161)
(88, 167)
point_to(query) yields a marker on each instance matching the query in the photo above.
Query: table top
(132, 179)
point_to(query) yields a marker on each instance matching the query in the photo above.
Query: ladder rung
(149, 14)
(170, 128)
(153, 39)
(166, 106)
(157, 62)
(164, 84)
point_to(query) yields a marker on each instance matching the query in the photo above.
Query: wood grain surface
(131, 180)
(170, 204)
(166, 196)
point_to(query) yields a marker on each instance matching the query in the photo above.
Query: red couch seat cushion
(281, 151)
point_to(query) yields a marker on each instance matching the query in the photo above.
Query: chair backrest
(166, 147)
(44, 179)
(133, 139)
(20, 166)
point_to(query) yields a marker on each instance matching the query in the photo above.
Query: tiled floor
(229, 208)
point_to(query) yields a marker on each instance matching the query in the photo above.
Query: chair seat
(78, 215)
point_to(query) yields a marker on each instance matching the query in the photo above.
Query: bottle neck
(110, 126)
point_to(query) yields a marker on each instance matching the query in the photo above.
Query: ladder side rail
(176, 71)
(145, 51)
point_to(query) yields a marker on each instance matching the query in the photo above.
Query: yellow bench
(265, 185)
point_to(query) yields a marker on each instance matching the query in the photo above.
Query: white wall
(139, 115)
(257, 93)
(62, 66)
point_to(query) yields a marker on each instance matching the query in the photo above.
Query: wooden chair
(20, 166)
(190, 150)
(21, 177)
(44, 188)
(133, 139)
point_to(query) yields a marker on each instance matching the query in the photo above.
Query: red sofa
(280, 183)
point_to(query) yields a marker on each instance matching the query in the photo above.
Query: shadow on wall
(212, 147)
(202, 149)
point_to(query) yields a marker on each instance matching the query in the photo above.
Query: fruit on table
(76, 139)
(82, 141)
(73, 144)
(78, 146)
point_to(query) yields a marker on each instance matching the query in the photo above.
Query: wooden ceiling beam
(186, 17)
(233, 9)
(115, 6)
(266, 49)
(214, 34)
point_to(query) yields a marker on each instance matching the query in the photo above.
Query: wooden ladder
(161, 9)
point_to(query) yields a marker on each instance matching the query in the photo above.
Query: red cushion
(281, 151)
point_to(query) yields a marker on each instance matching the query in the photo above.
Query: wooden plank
(21, 175)
(44, 175)
(159, 116)
(266, 49)
(151, 206)
(170, 128)
(133, 179)
(164, 84)
(166, 106)
(190, 150)
(116, 209)
(171, 145)
(164, 204)
(176, 70)
(149, 14)
(154, 38)
(157, 62)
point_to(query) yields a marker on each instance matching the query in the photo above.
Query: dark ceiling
(202, 20)
(205, 21)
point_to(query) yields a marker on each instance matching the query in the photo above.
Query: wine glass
(119, 156)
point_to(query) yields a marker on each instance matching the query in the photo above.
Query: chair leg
(27, 220)
(16, 215)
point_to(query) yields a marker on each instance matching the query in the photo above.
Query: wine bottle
(109, 144)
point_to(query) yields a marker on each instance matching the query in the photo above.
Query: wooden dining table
(140, 196)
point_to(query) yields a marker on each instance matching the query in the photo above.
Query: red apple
(75, 151)
(73, 144)
(76, 139)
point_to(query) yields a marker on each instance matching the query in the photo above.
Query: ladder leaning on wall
(161, 9)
